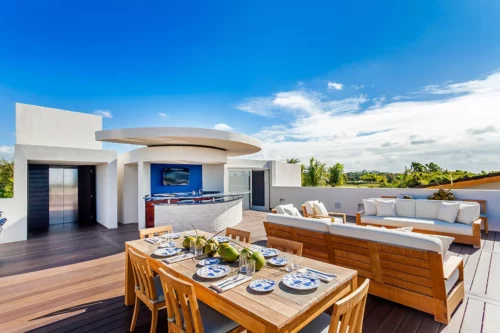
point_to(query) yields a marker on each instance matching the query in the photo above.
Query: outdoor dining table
(282, 310)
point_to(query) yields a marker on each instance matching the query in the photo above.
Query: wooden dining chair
(285, 245)
(347, 314)
(244, 236)
(152, 232)
(148, 289)
(187, 315)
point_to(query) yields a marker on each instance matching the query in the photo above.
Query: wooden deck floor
(71, 280)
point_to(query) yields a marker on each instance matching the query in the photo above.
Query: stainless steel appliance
(63, 195)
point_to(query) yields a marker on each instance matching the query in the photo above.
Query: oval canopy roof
(234, 144)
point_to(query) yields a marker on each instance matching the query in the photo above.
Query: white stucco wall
(130, 190)
(285, 174)
(213, 177)
(42, 126)
(106, 195)
(349, 200)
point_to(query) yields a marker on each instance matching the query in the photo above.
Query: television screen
(175, 176)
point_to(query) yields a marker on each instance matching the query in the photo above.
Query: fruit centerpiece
(442, 194)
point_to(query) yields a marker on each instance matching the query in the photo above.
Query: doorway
(63, 195)
(258, 188)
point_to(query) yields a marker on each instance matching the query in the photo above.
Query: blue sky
(337, 80)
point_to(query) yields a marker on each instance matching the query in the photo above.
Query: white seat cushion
(300, 222)
(320, 324)
(448, 211)
(319, 209)
(370, 206)
(388, 236)
(450, 283)
(280, 209)
(329, 219)
(468, 212)
(291, 211)
(385, 208)
(405, 207)
(419, 223)
(427, 209)
(310, 207)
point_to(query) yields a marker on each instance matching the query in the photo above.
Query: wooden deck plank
(491, 322)
(393, 320)
(471, 267)
(481, 274)
(411, 321)
(493, 290)
(456, 320)
(489, 241)
(428, 325)
(473, 317)
(496, 246)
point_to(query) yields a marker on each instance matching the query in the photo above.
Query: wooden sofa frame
(415, 278)
(474, 240)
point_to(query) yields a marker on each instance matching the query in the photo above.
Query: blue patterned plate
(268, 252)
(278, 261)
(300, 281)
(262, 285)
(209, 261)
(222, 239)
(213, 271)
(167, 252)
(166, 244)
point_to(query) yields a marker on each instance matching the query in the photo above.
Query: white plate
(166, 244)
(222, 239)
(268, 252)
(167, 252)
(278, 261)
(209, 261)
(213, 271)
(300, 281)
(262, 285)
(172, 235)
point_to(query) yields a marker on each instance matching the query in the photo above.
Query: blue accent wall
(195, 179)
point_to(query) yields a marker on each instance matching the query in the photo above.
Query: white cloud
(361, 86)
(6, 152)
(163, 115)
(103, 113)
(223, 127)
(457, 132)
(335, 85)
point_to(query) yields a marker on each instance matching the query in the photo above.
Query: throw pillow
(309, 206)
(385, 208)
(468, 212)
(404, 229)
(370, 207)
(445, 243)
(291, 211)
(448, 211)
(280, 209)
(320, 209)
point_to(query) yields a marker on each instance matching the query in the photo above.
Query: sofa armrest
(273, 211)
(342, 215)
(358, 216)
(450, 265)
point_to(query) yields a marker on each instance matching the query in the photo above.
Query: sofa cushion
(385, 208)
(309, 206)
(452, 280)
(370, 206)
(388, 236)
(280, 209)
(418, 223)
(300, 222)
(446, 241)
(291, 211)
(427, 209)
(468, 212)
(448, 211)
(319, 209)
(405, 207)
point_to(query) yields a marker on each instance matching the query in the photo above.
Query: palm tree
(336, 175)
(292, 160)
(314, 174)
(6, 179)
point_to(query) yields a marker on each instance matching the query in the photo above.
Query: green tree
(292, 160)
(6, 179)
(335, 175)
(314, 174)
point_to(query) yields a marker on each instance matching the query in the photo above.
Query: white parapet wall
(211, 217)
(349, 200)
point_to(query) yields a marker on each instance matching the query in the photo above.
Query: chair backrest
(152, 232)
(244, 236)
(348, 313)
(304, 211)
(181, 297)
(143, 276)
(285, 245)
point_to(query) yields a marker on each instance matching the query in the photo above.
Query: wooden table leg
(129, 281)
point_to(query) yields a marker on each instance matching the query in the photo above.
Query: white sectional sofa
(426, 216)
(290, 211)
(404, 267)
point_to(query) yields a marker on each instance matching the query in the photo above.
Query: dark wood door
(258, 190)
(86, 195)
(38, 196)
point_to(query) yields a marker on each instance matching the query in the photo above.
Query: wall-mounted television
(175, 176)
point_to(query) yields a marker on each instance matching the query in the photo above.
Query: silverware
(321, 274)
(232, 282)
(229, 281)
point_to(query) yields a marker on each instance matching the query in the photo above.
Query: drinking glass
(250, 267)
(290, 266)
(192, 246)
(243, 263)
(198, 250)
(297, 260)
